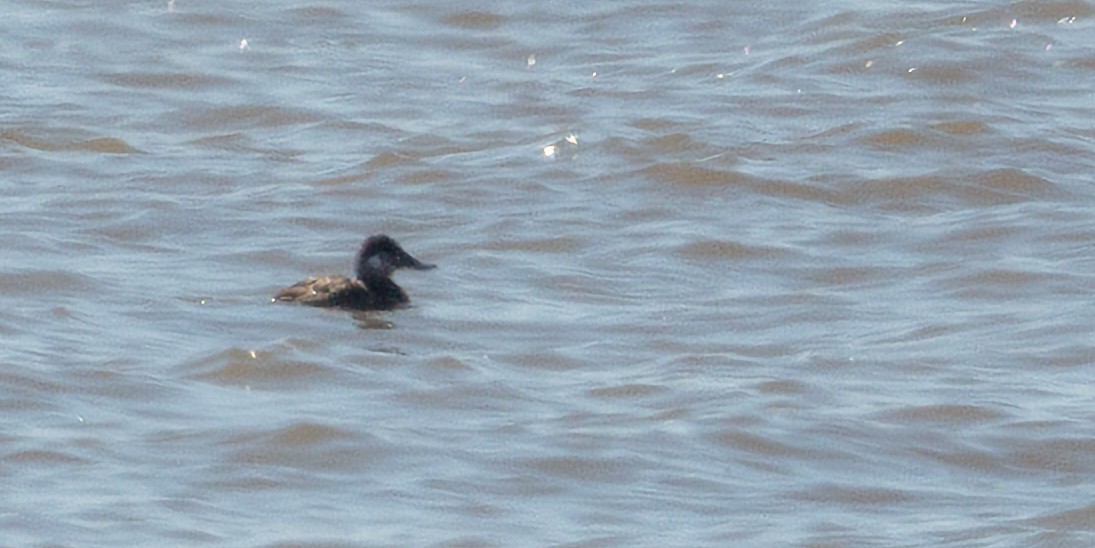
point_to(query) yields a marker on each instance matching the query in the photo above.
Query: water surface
(783, 273)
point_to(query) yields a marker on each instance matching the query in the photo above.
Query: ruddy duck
(372, 290)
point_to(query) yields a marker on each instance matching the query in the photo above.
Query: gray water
(710, 274)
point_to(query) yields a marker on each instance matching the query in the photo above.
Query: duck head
(381, 255)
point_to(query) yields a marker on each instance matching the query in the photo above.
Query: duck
(372, 289)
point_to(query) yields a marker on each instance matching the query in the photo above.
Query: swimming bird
(373, 289)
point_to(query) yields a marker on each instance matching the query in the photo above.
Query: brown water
(804, 274)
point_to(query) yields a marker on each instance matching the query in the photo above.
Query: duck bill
(410, 262)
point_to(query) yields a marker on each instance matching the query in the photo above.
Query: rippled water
(747, 273)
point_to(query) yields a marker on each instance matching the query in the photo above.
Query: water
(793, 273)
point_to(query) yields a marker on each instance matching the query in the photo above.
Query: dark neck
(383, 291)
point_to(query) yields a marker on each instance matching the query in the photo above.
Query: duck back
(343, 292)
(322, 291)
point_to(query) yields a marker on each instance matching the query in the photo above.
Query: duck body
(372, 289)
(341, 292)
